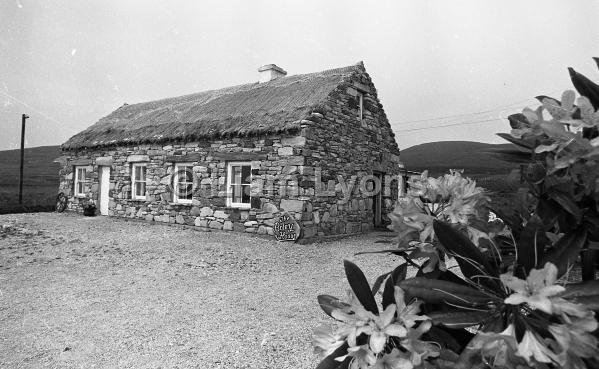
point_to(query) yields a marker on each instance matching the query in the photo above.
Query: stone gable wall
(338, 143)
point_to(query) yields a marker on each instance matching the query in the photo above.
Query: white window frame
(360, 105)
(230, 202)
(78, 180)
(176, 198)
(135, 180)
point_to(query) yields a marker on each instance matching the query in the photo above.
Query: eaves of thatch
(271, 107)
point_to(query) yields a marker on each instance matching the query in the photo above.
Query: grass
(80, 292)
(35, 199)
(473, 157)
(40, 180)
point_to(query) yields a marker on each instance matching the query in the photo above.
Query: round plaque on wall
(286, 228)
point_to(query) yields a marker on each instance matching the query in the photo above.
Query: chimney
(269, 72)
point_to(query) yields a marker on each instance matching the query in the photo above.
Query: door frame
(377, 201)
(103, 188)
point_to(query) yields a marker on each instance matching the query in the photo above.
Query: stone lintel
(105, 161)
(238, 156)
(80, 162)
(138, 158)
(189, 158)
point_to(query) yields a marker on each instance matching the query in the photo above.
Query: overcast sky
(68, 63)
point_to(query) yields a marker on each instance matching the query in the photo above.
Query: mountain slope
(38, 163)
(40, 179)
(473, 157)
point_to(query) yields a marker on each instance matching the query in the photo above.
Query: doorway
(104, 179)
(377, 201)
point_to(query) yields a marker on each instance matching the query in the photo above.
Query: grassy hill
(474, 157)
(40, 180)
(477, 159)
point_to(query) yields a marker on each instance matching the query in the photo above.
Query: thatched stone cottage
(236, 158)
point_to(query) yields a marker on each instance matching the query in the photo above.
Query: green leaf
(329, 362)
(548, 211)
(510, 155)
(397, 275)
(566, 250)
(518, 121)
(585, 87)
(378, 282)
(389, 251)
(444, 275)
(574, 290)
(359, 285)
(587, 263)
(540, 98)
(590, 302)
(530, 247)
(471, 260)
(452, 339)
(329, 303)
(517, 141)
(459, 319)
(437, 291)
(567, 203)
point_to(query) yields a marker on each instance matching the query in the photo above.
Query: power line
(29, 106)
(460, 115)
(474, 113)
(449, 125)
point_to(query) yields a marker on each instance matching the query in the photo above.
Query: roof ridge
(237, 88)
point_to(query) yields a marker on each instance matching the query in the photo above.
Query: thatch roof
(256, 108)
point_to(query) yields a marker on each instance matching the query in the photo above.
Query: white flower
(382, 327)
(326, 340)
(362, 357)
(358, 320)
(407, 314)
(574, 342)
(531, 346)
(536, 290)
(394, 360)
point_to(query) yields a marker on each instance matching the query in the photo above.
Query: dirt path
(79, 292)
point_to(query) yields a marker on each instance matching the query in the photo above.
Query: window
(138, 181)
(80, 173)
(360, 105)
(183, 185)
(239, 178)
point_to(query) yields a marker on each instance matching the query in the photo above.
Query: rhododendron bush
(475, 291)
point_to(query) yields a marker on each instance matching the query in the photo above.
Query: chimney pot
(269, 72)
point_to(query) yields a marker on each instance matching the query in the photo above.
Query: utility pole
(23, 118)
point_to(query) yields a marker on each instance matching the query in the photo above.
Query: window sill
(242, 207)
(180, 203)
(139, 200)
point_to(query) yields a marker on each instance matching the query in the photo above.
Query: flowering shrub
(491, 310)
(451, 198)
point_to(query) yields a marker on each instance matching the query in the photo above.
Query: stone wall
(341, 145)
(270, 156)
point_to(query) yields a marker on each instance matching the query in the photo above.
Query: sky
(444, 70)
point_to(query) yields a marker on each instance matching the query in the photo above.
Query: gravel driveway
(78, 292)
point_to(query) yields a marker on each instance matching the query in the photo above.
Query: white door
(104, 186)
